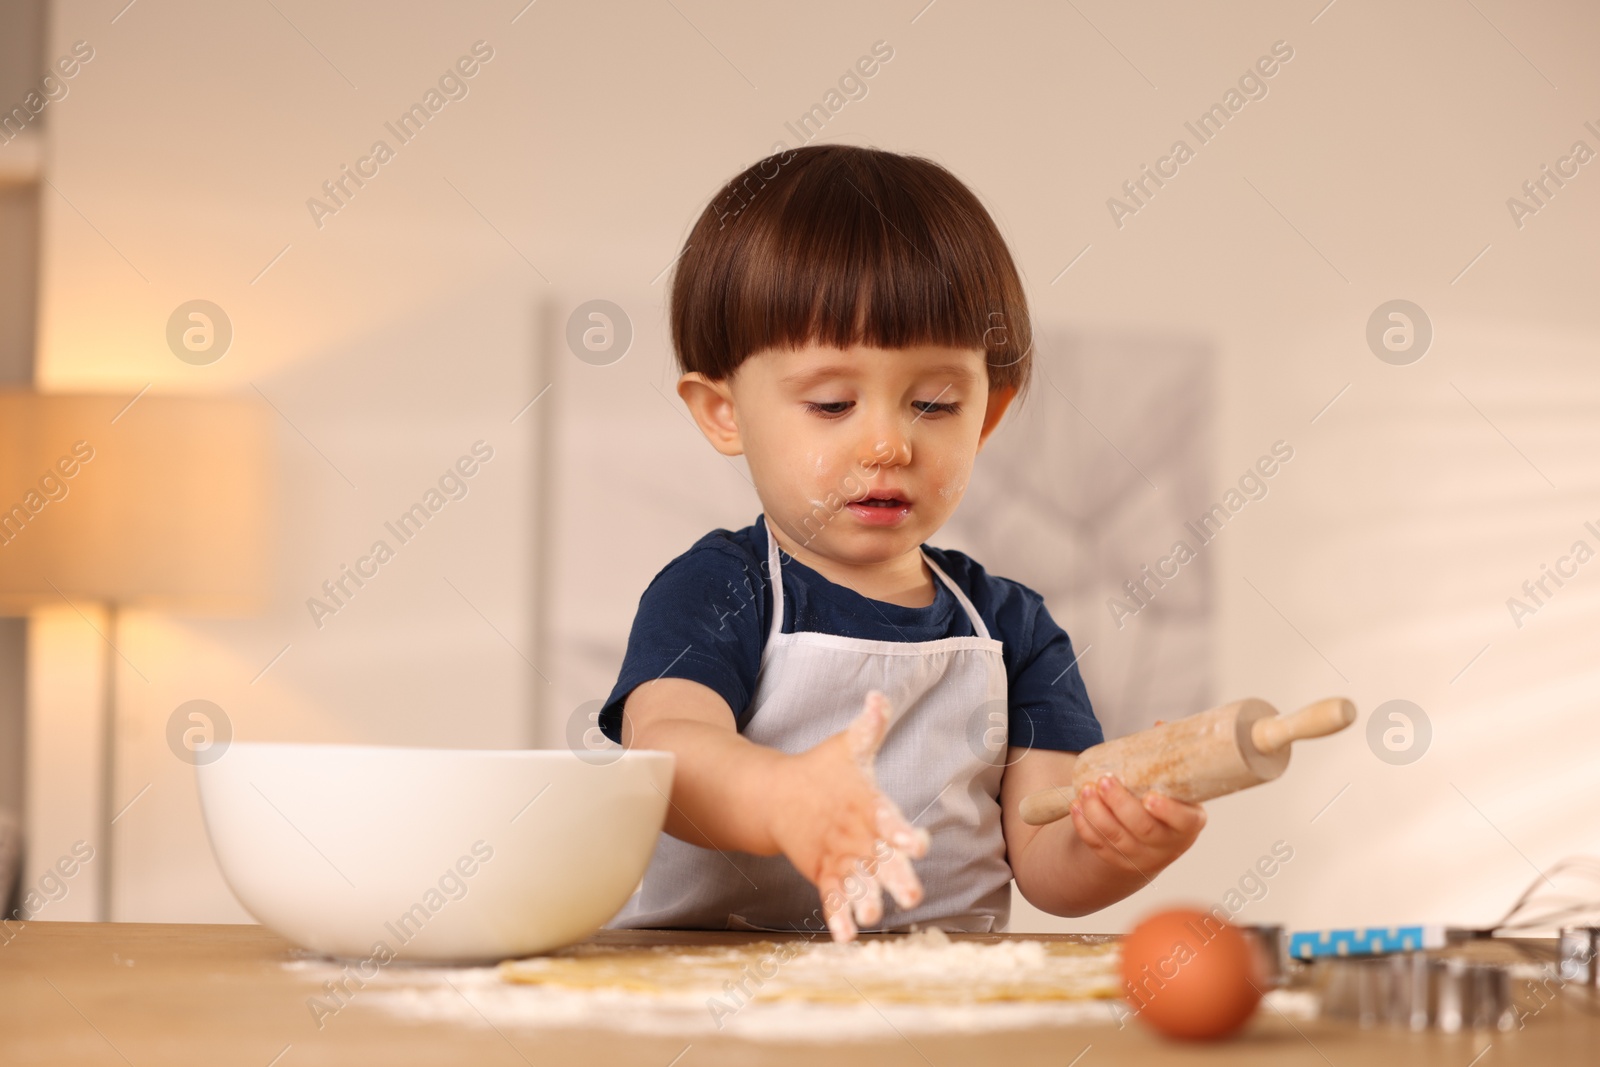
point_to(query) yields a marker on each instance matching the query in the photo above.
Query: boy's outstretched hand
(1130, 835)
(843, 834)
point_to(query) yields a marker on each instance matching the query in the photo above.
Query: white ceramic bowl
(432, 854)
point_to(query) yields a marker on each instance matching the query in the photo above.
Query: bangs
(838, 246)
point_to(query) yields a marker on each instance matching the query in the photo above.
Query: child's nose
(887, 442)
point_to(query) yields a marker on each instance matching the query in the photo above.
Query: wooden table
(175, 995)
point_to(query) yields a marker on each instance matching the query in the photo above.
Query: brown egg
(1191, 975)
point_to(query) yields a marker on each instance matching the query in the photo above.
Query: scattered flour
(922, 983)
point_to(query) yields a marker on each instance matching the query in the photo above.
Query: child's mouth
(880, 509)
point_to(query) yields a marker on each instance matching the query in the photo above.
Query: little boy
(842, 698)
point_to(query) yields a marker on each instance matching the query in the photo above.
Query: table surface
(172, 994)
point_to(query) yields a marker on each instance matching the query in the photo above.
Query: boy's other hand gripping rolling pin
(1220, 751)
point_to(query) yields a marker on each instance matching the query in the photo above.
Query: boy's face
(824, 430)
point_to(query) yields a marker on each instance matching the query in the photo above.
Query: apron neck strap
(775, 575)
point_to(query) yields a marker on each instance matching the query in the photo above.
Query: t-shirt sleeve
(1049, 704)
(703, 617)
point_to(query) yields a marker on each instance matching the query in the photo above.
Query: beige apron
(944, 694)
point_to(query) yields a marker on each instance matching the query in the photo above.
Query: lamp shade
(165, 502)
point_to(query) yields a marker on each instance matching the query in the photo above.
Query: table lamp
(160, 502)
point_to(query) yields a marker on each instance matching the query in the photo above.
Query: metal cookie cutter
(1272, 945)
(1419, 991)
(1578, 948)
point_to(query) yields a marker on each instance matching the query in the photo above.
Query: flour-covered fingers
(865, 894)
(895, 829)
(836, 909)
(896, 875)
(866, 731)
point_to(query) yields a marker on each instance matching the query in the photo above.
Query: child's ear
(999, 400)
(711, 403)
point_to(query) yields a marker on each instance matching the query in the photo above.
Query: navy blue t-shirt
(706, 615)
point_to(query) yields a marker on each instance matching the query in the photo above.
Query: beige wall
(1376, 167)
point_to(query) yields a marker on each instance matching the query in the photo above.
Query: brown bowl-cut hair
(838, 245)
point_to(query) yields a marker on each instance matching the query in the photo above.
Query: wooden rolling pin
(1206, 755)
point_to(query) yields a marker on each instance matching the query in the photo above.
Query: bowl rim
(631, 754)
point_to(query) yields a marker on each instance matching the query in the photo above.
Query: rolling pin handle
(1314, 720)
(1046, 806)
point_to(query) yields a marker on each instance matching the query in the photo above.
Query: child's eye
(835, 408)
